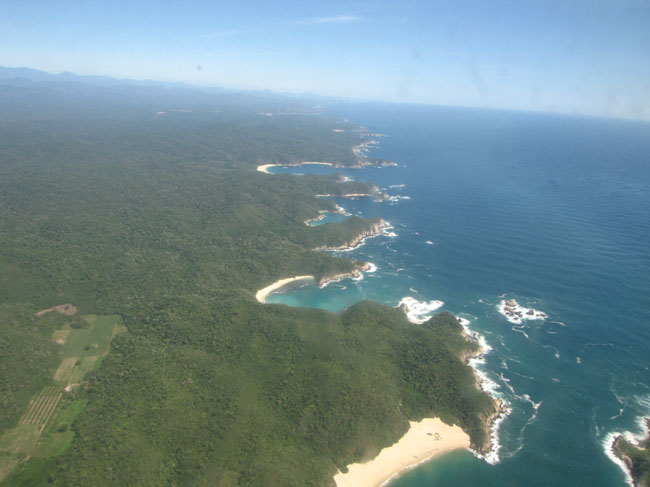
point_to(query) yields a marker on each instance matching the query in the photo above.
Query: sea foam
(419, 311)
(515, 313)
(608, 446)
(488, 386)
(643, 432)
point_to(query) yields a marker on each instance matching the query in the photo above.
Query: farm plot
(42, 407)
(18, 442)
(81, 348)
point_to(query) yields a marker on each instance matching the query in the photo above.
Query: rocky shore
(634, 454)
(379, 228)
(491, 423)
(356, 273)
(322, 214)
(363, 162)
(360, 151)
(349, 195)
(489, 450)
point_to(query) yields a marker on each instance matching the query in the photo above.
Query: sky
(587, 57)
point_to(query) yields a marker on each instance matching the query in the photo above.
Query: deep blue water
(553, 211)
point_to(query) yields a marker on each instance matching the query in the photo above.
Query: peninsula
(378, 227)
(635, 455)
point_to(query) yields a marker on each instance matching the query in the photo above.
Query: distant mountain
(22, 76)
(24, 73)
(35, 75)
(27, 93)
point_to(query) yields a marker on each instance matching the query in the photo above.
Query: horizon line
(341, 98)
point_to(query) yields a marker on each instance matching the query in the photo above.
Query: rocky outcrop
(633, 453)
(489, 422)
(354, 274)
(378, 228)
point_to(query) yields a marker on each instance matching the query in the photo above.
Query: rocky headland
(381, 227)
(634, 453)
(355, 273)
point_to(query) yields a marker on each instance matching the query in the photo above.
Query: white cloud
(338, 19)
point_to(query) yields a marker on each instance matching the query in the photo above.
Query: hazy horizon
(577, 57)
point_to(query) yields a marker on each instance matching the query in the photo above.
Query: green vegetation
(43, 430)
(164, 221)
(28, 357)
(637, 457)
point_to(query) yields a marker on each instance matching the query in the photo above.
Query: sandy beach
(265, 167)
(424, 440)
(264, 292)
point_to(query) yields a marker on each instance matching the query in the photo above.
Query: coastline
(418, 312)
(416, 446)
(382, 227)
(356, 273)
(322, 214)
(423, 441)
(360, 164)
(490, 451)
(265, 167)
(614, 451)
(264, 292)
(349, 195)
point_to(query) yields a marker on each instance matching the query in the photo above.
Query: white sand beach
(264, 292)
(265, 167)
(424, 440)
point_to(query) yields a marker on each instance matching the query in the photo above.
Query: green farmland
(43, 430)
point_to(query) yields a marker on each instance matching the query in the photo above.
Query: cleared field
(83, 346)
(64, 309)
(101, 333)
(81, 349)
(59, 435)
(64, 371)
(79, 371)
(93, 340)
(16, 444)
(60, 336)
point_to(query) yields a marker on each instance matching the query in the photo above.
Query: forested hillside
(162, 219)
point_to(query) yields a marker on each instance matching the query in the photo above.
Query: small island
(515, 313)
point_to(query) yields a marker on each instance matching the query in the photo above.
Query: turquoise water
(553, 211)
(329, 217)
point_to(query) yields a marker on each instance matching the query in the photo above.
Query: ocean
(553, 211)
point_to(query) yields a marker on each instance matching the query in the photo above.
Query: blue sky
(572, 56)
